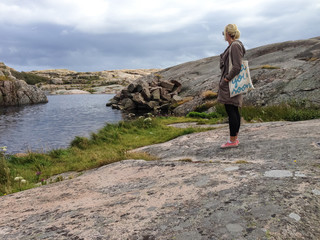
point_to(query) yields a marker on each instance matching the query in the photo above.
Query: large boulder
(15, 92)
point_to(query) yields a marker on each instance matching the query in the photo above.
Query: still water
(53, 125)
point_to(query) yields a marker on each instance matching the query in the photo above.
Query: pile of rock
(155, 96)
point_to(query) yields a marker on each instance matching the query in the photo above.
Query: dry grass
(184, 100)
(265, 67)
(209, 94)
(4, 78)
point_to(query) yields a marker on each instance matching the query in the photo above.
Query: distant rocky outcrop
(15, 92)
(154, 96)
(62, 81)
(281, 72)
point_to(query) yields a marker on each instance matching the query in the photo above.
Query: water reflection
(43, 127)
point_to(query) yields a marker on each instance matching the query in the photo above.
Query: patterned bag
(242, 82)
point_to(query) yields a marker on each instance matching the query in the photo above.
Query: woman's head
(232, 30)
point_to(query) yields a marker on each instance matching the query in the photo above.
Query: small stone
(278, 173)
(151, 209)
(316, 192)
(229, 169)
(295, 216)
(167, 85)
(177, 98)
(299, 174)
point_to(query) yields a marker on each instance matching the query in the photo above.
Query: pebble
(229, 169)
(295, 216)
(316, 192)
(299, 174)
(278, 173)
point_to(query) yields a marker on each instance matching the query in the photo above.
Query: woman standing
(232, 104)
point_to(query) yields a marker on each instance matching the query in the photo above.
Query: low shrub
(5, 178)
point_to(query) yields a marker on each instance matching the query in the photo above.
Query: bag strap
(230, 61)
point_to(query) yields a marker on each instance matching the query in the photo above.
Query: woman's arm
(236, 59)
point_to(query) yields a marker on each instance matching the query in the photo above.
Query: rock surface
(267, 188)
(15, 92)
(281, 72)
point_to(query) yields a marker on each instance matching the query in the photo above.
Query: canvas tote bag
(242, 82)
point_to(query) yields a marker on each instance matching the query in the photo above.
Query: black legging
(234, 119)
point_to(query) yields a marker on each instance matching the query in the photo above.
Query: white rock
(278, 173)
(229, 169)
(316, 192)
(299, 174)
(295, 216)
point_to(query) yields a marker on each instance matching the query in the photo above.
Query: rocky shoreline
(267, 188)
(63, 81)
(16, 92)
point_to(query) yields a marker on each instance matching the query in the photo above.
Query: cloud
(101, 16)
(111, 34)
(105, 16)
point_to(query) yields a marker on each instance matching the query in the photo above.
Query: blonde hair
(232, 30)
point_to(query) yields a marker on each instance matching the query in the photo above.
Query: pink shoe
(230, 144)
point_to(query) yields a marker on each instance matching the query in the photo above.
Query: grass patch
(111, 144)
(283, 112)
(292, 111)
(204, 115)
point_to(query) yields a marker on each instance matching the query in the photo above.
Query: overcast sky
(101, 35)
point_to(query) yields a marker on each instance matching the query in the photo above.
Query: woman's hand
(226, 80)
